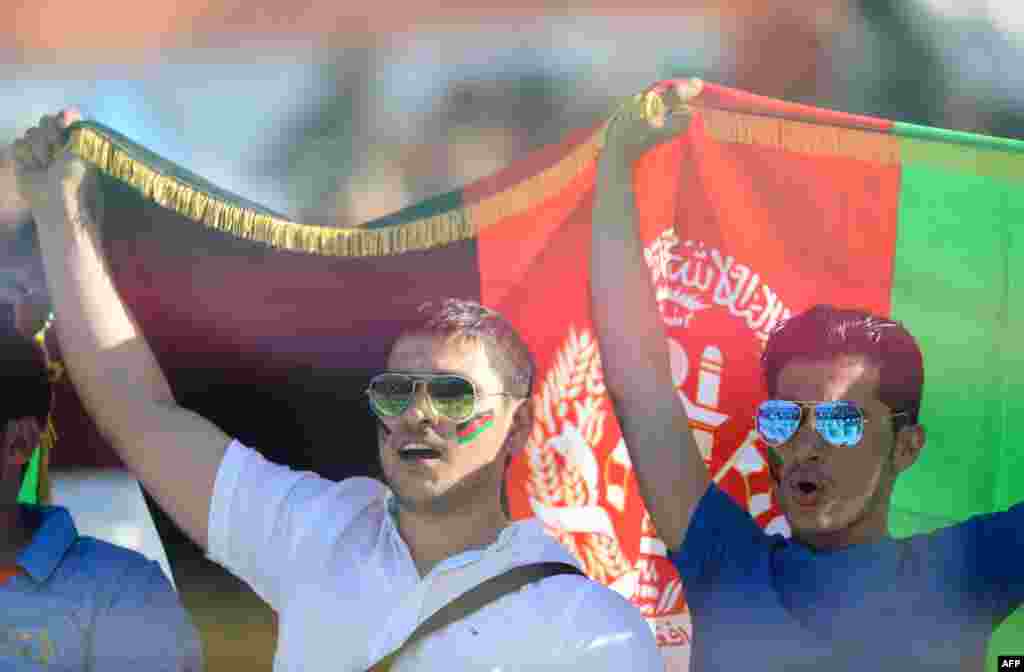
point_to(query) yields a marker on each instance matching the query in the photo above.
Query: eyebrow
(434, 372)
(440, 372)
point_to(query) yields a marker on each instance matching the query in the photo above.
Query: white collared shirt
(328, 557)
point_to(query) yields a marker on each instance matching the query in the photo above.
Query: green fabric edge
(430, 207)
(29, 493)
(906, 130)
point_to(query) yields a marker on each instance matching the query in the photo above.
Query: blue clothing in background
(767, 603)
(83, 604)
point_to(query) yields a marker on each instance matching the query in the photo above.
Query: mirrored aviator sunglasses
(451, 396)
(840, 423)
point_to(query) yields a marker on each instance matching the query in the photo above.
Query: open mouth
(418, 451)
(806, 492)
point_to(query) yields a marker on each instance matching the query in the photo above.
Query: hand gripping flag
(760, 210)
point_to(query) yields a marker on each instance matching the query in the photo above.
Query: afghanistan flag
(759, 211)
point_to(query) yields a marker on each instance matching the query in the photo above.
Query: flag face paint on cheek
(474, 427)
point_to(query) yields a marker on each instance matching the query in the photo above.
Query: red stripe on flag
(517, 223)
(821, 228)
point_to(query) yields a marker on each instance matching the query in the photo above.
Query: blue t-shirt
(929, 602)
(82, 604)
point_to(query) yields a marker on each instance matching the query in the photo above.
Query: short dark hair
(825, 332)
(24, 378)
(505, 348)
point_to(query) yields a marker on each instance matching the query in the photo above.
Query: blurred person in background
(68, 601)
(351, 567)
(841, 425)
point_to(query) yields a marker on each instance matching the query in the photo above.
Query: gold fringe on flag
(219, 214)
(111, 157)
(48, 439)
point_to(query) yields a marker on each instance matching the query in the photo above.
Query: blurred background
(337, 116)
(337, 119)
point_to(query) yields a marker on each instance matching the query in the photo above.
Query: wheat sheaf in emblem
(564, 483)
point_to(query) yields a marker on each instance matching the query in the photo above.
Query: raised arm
(173, 451)
(634, 354)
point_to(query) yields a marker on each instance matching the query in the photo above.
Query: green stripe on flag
(1006, 166)
(1010, 489)
(957, 284)
(950, 287)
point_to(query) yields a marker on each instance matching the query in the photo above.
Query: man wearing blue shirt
(69, 602)
(841, 421)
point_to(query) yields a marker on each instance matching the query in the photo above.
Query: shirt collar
(54, 534)
(459, 559)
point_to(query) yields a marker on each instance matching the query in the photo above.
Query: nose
(420, 411)
(807, 445)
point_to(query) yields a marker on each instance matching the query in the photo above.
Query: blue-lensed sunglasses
(840, 423)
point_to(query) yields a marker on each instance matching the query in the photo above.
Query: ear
(522, 424)
(20, 439)
(909, 443)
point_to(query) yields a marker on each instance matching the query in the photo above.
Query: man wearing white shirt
(351, 567)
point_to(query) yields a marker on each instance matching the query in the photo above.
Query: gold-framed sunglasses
(450, 395)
